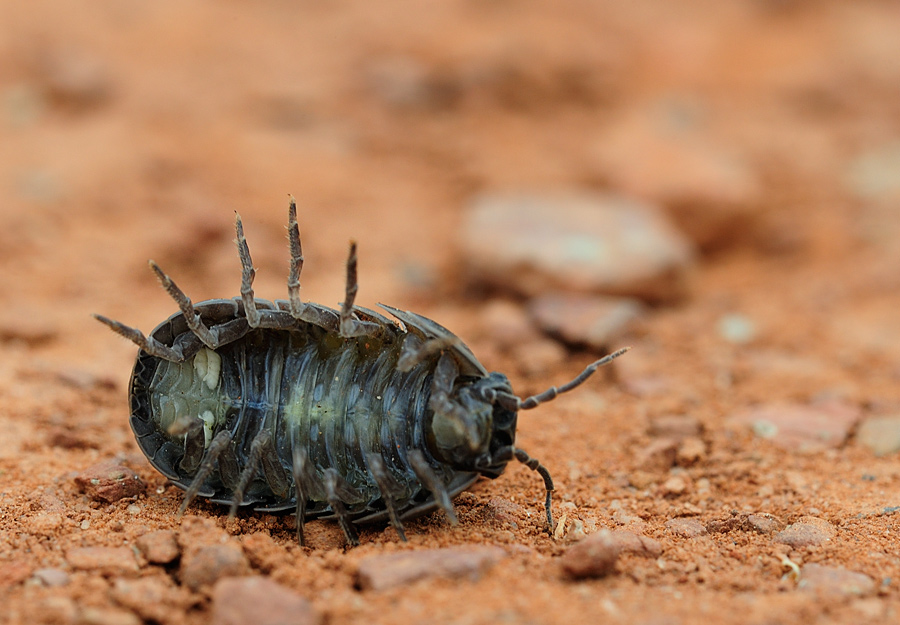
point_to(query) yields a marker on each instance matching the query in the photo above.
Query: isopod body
(340, 414)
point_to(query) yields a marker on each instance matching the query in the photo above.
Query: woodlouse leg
(334, 484)
(299, 310)
(149, 345)
(514, 403)
(209, 336)
(248, 273)
(350, 326)
(535, 465)
(387, 486)
(219, 443)
(262, 453)
(415, 351)
(432, 482)
(303, 485)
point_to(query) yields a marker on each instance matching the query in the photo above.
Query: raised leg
(335, 488)
(432, 482)
(387, 486)
(351, 326)
(534, 465)
(322, 317)
(219, 443)
(248, 273)
(148, 344)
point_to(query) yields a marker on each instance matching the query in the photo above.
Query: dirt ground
(133, 130)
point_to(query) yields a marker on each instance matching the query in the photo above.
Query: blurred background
(129, 130)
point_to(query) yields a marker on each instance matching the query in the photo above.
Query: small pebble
(736, 328)
(674, 486)
(764, 523)
(685, 527)
(209, 564)
(111, 560)
(261, 601)
(835, 581)
(109, 482)
(594, 556)
(807, 531)
(379, 572)
(690, 451)
(160, 547)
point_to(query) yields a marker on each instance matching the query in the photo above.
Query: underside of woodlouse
(341, 414)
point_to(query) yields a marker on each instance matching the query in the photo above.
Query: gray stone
(261, 601)
(806, 532)
(397, 569)
(575, 241)
(591, 320)
(880, 434)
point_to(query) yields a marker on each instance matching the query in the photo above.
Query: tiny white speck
(378, 397)
(85, 524)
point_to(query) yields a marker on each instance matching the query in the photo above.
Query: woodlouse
(339, 414)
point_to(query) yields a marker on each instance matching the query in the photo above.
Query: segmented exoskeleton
(341, 414)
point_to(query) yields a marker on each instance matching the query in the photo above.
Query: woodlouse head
(471, 431)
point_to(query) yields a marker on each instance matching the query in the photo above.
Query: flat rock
(261, 601)
(807, 531)
(109, 560)
(109, 482)
(575, 241)
(835, 580)
(397, 569)
(209, 564)
(686, 528)
(595, 556)
(800, 427)
(880, 434)
(592, 320)
(160, 547)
